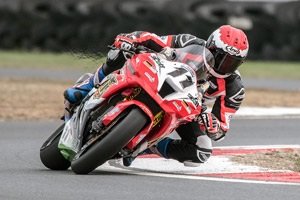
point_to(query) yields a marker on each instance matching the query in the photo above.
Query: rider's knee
(203, 151)
(190, 153)
(204, 148)
(202, 155)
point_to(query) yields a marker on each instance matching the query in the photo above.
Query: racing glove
(209, 123)
(168, 53)
(125, 41)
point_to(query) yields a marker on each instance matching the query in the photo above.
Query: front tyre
(112, 143)
(50, 154)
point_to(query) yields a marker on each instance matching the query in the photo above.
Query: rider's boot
(81, 88)
(115, 60)
(160, 149)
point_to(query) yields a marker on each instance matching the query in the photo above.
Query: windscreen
(193, 56)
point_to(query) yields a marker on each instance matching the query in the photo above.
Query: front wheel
(112, 143)
(50, 154)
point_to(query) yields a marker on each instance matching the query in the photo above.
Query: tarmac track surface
(22, 175)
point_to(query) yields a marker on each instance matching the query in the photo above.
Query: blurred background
(46, 45)
(272, 26)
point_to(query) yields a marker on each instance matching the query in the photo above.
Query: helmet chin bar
(211, 70)
(217, 75)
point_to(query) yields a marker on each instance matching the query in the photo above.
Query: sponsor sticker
(147, 110)
(113, 111)
(151, 79)
(136, 92)
(142, 136)
(194, 100)
(233, 50)
(150, 66)
(158, 117)
(111, 80)
(158, 61)
(189, 69)
(186, 106)
(177, 106)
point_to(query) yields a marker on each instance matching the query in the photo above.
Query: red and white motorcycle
(131, 110)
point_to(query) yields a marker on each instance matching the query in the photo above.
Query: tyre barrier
(91, 25)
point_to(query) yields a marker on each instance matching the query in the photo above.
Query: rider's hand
(203, 87)
(125, 41)
(168, 53)
(211, 124)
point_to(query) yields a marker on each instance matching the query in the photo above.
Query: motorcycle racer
(229, 47)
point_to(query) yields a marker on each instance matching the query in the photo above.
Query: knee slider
(203, 155)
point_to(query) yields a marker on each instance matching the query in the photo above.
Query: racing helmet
(198, 57)
(229, 47)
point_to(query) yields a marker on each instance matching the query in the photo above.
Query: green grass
(284, 70)
(62, 61)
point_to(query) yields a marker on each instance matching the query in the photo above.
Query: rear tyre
(50, 154)
(112, 143)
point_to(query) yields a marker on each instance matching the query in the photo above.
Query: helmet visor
(226, 63)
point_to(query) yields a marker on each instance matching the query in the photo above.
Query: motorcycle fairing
(165, 75)
(151, 73)
(171, 84)
(71, 139)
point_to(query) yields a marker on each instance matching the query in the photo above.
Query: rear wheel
(50, 154)
(112, 143)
